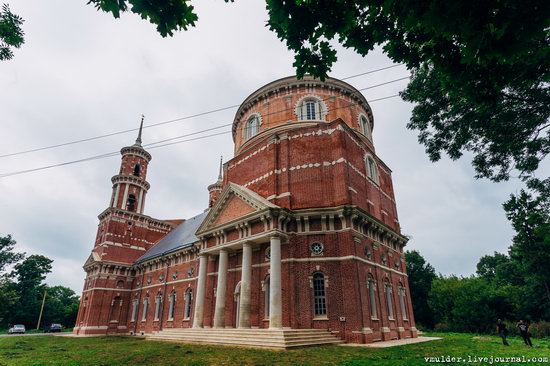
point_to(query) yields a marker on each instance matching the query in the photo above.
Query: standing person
(524, 332)
(502, 332)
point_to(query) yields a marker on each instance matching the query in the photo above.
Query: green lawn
(47, 350)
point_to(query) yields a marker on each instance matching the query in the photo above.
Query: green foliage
(11, 34)
(61, 306)
(167, 15)
(421, 275)
(480, 70)
(7, 255)
(529, 213)
(467, 304)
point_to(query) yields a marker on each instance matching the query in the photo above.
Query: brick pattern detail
(315, 172)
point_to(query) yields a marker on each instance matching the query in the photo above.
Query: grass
(112, 351)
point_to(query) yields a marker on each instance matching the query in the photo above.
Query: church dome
(290, 102)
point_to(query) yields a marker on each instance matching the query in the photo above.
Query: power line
(165, 122)
(155, 145)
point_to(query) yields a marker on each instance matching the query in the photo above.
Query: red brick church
(300, 243)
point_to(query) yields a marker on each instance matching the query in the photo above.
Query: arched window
(158, 306)
(188, 301)
(365, 126)
(311, 109)
(372, 297)
(172, 306)
(319, 295)
(389, 298)
(137, 170)
(131, 204)
(372, 172)
(120, 284)
(135, 305)
(145, 308)
(237, 297)
(266, 297)
(402, 301)
(252, 127)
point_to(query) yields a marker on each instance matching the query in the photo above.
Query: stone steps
(256, 338)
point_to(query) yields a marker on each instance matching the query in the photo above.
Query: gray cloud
(82, 73)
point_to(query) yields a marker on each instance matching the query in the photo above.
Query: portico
(245, 247)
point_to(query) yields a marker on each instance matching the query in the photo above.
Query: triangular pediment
(234, 202)
(92, 258)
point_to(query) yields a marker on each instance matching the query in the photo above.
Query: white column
(140, 198)
(143, 202)
(219, 312)
(115, 200)
(275, 294)
(246, 275)
(125, 197)
(201, 290)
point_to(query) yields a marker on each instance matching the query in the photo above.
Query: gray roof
(182, 236)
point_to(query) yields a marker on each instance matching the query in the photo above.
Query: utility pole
(41, 309)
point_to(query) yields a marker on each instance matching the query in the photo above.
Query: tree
(7, 255)
(11, 34)
(61, 306)
(421, 275)
(529, 213)
(480, 69)
(8, 296)
(29, 288)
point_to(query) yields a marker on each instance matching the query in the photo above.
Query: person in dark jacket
(502, 332)
(524, 332)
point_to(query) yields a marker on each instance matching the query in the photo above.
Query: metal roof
(182, 236)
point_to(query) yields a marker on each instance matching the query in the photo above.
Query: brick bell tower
(124, 233)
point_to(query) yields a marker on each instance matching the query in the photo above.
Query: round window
(316, 248)
(268, 253)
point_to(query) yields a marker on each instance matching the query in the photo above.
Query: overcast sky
(82, 73)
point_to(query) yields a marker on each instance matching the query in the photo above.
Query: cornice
(136, 150)
(120, 178)
(290, 82)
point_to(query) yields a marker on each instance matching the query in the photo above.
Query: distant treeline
(510, 286)
(22, 291)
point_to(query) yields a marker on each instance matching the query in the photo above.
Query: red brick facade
(305, 171)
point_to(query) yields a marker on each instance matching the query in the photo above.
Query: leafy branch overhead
(167, 15)
(11, 34)
(480, 70)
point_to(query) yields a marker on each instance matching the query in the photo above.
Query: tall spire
(220, 177)
(138, 140)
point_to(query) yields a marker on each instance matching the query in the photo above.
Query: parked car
(54, 327)
(18, 328)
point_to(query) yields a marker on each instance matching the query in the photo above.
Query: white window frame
(320, 308)
(172, 300)
(188, 303)
(248, 131)
(135, 305)
(371, 284)
(318, 113)
(145, 308)
(364, 122)
(371, 168)
(389, 300)
(267, 289)
(158, 304)
(402, 302)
